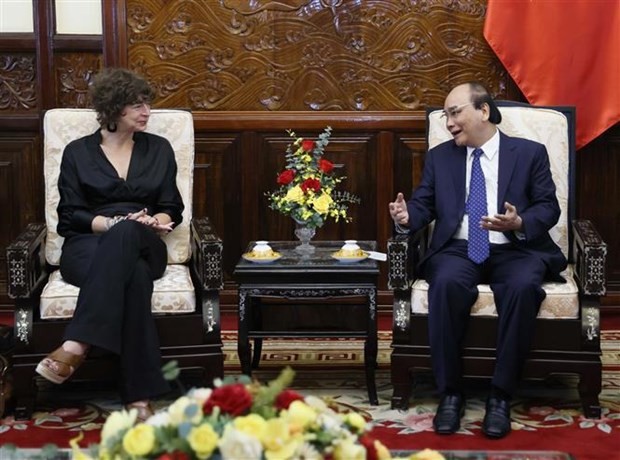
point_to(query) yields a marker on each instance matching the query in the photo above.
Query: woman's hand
(162, 226)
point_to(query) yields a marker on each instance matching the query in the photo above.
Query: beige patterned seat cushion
(173, 293)
(550, 128)
(562, 299)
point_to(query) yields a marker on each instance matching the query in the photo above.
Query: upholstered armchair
(567, 336)
(185, 300)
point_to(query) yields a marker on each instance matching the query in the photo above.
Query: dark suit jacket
(524, 180)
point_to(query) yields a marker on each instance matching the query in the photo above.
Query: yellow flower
(382, 452)
(276, 434)
(322, 203)
(300, 414)
(427, 454)
(356, 421)
(295, 195)
(347, 449)
(76, 452)
(287, 450)
(252, 424)
(140, 440)
(203, 440)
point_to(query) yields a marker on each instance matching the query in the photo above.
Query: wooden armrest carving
(590, 252)
(207, 254)
(26, 261)
(404, 253)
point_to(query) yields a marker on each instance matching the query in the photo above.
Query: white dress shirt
(489, 162)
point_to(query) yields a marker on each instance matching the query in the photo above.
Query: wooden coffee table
(316, 277)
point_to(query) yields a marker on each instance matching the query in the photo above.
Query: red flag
(562, 52)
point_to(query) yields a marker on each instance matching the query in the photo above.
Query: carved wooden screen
(309, 54)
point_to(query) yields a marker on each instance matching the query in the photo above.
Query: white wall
(72, 16)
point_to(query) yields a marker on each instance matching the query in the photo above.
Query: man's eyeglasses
(454, 110)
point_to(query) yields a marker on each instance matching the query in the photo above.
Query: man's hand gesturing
(509, 221)
(398, 210)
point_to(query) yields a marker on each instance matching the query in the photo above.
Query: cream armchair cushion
(549, 127)
(174, 292)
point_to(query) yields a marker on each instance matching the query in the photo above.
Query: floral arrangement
(241, 419)
(308, 183)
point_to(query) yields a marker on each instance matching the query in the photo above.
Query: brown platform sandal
(64, 365)
(144, 408)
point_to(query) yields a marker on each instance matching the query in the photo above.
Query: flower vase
(304, 233)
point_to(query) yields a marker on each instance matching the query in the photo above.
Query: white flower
(159, 419)
(235, 444)
(178, 411)
(200, 395)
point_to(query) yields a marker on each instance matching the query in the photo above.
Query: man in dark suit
(493, 202)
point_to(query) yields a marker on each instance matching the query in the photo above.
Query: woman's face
(136, 116)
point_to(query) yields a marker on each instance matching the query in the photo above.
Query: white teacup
(261, 248)
(350, 247)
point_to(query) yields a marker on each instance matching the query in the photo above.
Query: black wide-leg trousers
(515, 278)
(115, 272)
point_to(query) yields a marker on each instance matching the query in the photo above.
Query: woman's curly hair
(113, 89)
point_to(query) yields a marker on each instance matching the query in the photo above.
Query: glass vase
(305, 234)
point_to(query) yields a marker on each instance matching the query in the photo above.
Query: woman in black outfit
(118, 196)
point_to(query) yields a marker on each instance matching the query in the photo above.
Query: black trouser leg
(115, 273)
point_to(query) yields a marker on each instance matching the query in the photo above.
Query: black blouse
(90, 186)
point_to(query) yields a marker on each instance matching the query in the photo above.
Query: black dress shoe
(496, 423)
(449, 412)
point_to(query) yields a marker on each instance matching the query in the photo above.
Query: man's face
(466, 123)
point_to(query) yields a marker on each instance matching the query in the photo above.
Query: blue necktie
(478, 238)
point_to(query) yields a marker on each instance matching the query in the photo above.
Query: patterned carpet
(547, 417)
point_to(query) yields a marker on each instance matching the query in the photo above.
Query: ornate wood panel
(309, 54)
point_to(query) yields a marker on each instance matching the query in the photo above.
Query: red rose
(308, 146)
(311, 184)
(286, 176)
(286, 397)
(176, 455)
(325, 165)
(369, 444)
(231, 399)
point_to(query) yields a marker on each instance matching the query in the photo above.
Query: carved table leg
(244, 348)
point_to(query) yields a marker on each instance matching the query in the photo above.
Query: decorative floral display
(241, 419)
(308, 183)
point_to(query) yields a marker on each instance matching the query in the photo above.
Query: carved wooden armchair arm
(590, 252)
(27, 274)
(26, 262)
(404, 253)
(207, 268)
